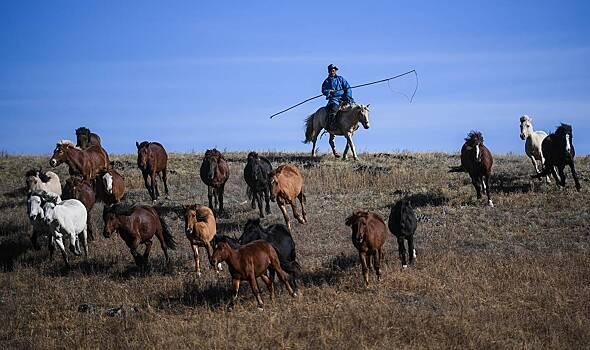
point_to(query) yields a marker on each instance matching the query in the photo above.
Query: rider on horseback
(337, 92)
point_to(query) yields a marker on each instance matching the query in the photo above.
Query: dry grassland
(513, 276)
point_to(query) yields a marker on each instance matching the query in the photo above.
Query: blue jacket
(342, 90)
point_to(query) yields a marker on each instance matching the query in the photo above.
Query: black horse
(280, 237)
(558, 151)
(257, 176)
(402, 224)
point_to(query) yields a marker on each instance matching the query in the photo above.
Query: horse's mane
(564, 129)
(83, 131)
(31, 172)
(525, 118)
(474, 138)
(120, 209)
(213, 153)
(252, 155)
(144, 144)
(66, 143)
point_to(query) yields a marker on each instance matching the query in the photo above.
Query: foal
(368, 235)
(200, 229)
(559, 151)
(248, 262)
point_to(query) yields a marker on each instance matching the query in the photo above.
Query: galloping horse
(87, 162)
(151, 160)
(214, 172)
(533, 143)
(346, 124)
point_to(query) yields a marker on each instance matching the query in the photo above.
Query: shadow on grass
(16, 193)
(427, 199)
(507, 183)
(214, 295)
(11, 249)
(333, 272)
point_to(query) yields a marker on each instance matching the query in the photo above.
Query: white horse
(346, 125)
(532, 145)
(37, 218)
(39, 181)
(67, 219)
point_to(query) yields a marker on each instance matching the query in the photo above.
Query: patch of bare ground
(512, 276)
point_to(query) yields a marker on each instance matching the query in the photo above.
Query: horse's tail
(309, 128)
(168, 237)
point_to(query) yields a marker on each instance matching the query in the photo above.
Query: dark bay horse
(248, 262)
(151, 160)
(346, 124)
(558, 151)
(280, 237)
(257, 175)
(85, 138)
(477, 160)
(82, 190)
(214, 173)
(138, 225)
(87, 163)
(110, 187)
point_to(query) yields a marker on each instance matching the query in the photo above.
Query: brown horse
(214, 173)
(110, 187)
(85, 138)
(82, 190)
(368, 235)
(286, 185)
(477, 160)
(86, 163)
(200, 228)
(151, 160)
(248, 262)
(138, 225)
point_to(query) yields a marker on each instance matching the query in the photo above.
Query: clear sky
(195, 75)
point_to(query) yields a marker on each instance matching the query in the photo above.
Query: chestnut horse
(138, 225)
(85, 138)
(87, 163)
(286, 185)
(248, 262)
(214, 173)
(368, 235)
(151, 160)
(200, 229)
(82, 190)
(110, 187)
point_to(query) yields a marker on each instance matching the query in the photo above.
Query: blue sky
(195, 76)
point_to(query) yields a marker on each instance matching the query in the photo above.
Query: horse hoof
(260, 308)
(337, 156)
(404, 267)
(219, 268)
(198, 274)
(490, 203)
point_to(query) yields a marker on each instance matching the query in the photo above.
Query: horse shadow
(228, 227)
(332, 273)
(506, 183)
(16, 193)
(213, 296)
(11, 250)
(427, 199)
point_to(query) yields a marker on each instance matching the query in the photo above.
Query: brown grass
(513, 276)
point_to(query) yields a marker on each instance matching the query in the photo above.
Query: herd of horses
(63, 213)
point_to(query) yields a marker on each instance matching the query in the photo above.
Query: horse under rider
(337, 92)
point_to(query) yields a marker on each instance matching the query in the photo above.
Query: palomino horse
(151, 160)
(138, 225)
(214, 172)
(532, 145)
(248, 262)
(286, 185)
(39, 181)
(85, 138)
(200, 228)
(346, 124)
(87, 162)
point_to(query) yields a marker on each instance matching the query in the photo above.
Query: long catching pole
(356, 86)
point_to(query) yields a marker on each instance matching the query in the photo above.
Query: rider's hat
(332, 66)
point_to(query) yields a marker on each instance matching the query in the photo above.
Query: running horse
(85, 162)
(346, 124)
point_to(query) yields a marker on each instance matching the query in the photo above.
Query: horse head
(82, 137)
(358, 223)
(35, 207)
(526, 126)
(564, 132)
(252, 231)
(107, 180)
(143, 154)
(474, 139)
(60, 152)
(221, 253)
(111, 222)
(364, 115)
(212, 157)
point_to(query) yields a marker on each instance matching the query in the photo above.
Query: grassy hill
(515, 275)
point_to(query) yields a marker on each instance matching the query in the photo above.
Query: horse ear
(137, 144)
(368, 105)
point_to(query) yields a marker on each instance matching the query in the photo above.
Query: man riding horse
(337, 92)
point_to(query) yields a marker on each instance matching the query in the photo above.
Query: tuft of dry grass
(512, 276)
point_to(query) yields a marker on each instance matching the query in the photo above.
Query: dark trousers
(331, 109)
